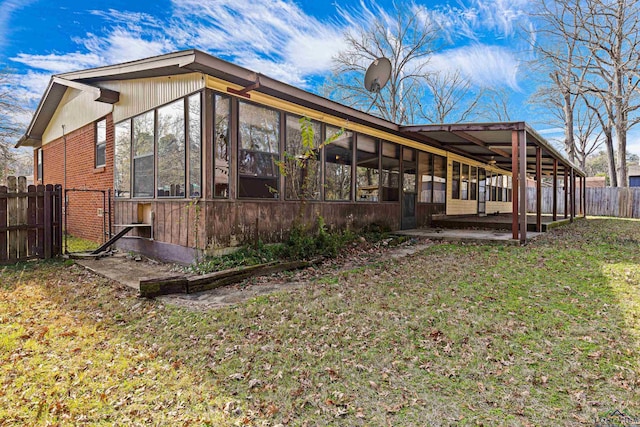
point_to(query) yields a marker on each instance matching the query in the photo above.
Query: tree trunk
(621, 158)
(611, 158)
(569, 139)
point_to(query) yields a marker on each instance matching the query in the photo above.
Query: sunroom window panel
(455, 180)
(338, 159)
(171, 150)
(302, 160)
(259, 137)
(390, 163)
(195, 146)
(425, 177)
(409, 170)
(222, 148)
(464, 183)
(368, 169)
(122, 160)
(473, 184)
(143, 157)
(439, 179)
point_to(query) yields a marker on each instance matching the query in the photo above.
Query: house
(596, 182)
(634, 176)
(182, 149)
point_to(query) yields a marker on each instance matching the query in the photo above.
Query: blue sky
(290, 40)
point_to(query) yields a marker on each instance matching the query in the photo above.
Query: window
(174, 133)
(439, 179)
(40, 170)
(464, 183)
(221, 147)
(368, 171)
(143, 154)
(408, 170)
(259, 137)
(425, 177)
(101, 143)
(338, 157)
(171, 150)
(122, 160)
(473, 183)
(195, 146)
(390, 172)
(302, 163)
(455, 180)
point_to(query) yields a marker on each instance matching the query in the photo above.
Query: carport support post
(555, 189)
(584, 197)
(538, 189)
(514, 184)
(522, 142)
(573, 194)
(566, 192)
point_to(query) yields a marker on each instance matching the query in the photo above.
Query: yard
(546, 334)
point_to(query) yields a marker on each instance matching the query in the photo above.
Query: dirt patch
(357, 255)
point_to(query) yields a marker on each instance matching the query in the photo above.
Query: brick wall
(83, 208)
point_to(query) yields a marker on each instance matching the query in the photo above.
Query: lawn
(545, 334)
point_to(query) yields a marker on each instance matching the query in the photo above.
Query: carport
(517, 148)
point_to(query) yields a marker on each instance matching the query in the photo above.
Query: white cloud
(7, 8)
(485, 65)
(60, 63)
(272, 37)
(277, 38)
(501, 16)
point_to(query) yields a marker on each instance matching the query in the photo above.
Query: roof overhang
(50, 101)
(488, 143)
(491, 143)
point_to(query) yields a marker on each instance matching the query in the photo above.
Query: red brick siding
(82, 210)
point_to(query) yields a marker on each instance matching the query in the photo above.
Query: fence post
(32, 232)
(3, 223)
(40, 218)
(12, 217)
(58, 220)
(48, 219)
(22, 216)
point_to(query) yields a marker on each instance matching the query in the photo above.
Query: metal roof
(491, 143)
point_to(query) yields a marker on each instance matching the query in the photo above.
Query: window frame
(100, 145)
(276, 156)
(129, 193)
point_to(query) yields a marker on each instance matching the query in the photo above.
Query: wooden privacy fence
(30, 221)
(609, 201)
(614, 201)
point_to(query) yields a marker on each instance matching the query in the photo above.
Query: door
(409, 189)
(482, 190)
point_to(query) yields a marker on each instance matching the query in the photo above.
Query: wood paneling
(224, 223)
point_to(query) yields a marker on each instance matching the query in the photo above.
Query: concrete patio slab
(471, 236)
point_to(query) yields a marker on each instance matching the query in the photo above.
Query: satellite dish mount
(376, 77)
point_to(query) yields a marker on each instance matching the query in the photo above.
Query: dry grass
(545, 334)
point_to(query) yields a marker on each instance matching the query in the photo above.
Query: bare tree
(408, 37)
(562, 61)
(453, 98)
(602, 110)
(612, 37)
(589, 135)
(9, 129)
(496, 105)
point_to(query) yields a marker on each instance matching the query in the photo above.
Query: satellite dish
(377, 75)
